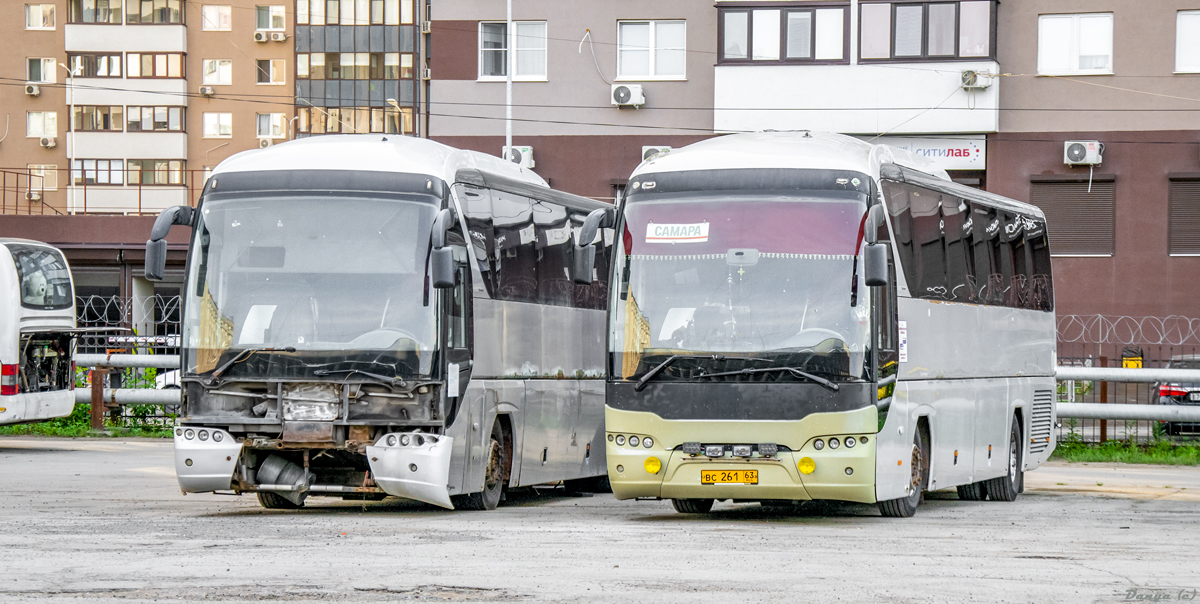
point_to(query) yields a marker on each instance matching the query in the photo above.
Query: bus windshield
(45, 281)
(337, 278)
(763, 277)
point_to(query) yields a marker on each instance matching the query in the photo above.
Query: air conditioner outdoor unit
(520, 155)
(974, 80)
(261, 36)
(33, 196)
(1083, 153)
(32, 89)
(48, 142)
(278, 36)
(206, 91)
(263, 143)
(628, 95)
(426, 27)
(651, 152)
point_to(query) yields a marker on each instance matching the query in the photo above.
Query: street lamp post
(508, 76)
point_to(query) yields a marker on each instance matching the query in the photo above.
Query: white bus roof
(374, 153)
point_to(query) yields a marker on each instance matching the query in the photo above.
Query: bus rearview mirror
(875, 269)
(442, 268)
(156, 259)
(583, 264)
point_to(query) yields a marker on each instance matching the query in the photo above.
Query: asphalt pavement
(103, 519)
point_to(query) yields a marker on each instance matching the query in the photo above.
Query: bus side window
(516, 261)
(918, 221)
(477, 210)
(554, 252)
(897, 200)
(956, 226)
(457, 311)
(986, 227)
(1041, 295)
(1012, 256)
(886, 335)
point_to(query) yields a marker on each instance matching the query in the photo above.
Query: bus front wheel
(1006, 488)
(692, 506)
(493, 475)
(906, 507)
(275, 501)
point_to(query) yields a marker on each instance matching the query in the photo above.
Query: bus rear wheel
(275, 501)
(976, 491)
(1007, 487)
(692, 506)
(906, 507)
(493, 475)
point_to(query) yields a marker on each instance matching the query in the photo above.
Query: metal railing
(57, 191)
(1098, 402)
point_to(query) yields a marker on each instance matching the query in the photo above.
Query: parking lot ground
(93, 520)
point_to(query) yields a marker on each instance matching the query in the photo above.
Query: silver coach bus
(372, 315)
(801, 316)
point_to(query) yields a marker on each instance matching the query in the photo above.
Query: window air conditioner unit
(48, 142)
(1083, 153)
(426, 27)
(33, 196)
(206, 91)
(649, 153)
(261, 36)
(974, 80)
(32, 89)
(628, 95)
(263, 143)
(520, 155)
(278, 36)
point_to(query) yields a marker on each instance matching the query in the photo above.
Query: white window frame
(273, 10)
(224, 13)
(47, 172)
(47, 121)
(1074, 46)
(653, 24)
(41, 14)
(509, 44)
(277, 75)
(220, 62)
(277, 119)
(215, 118)
(49, 68)
(1192, 62)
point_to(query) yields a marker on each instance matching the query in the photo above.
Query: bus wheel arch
(1007, 487)
(497, 469)
(906, 507)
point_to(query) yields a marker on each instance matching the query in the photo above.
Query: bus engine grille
(1039, 431)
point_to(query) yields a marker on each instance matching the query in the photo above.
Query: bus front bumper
(413, 466)
(205, 464)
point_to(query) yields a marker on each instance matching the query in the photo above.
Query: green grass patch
(1162, 452)
(79, 423)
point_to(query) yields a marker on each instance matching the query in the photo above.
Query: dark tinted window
(42, 276)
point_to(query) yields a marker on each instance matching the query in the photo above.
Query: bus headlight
(833, 443)
(217, 436)
(633, 441)
(647, 442)
(404, 440)
(188, 434)
(391, 440)
(653, 465)
(850, 442)
(620, 439)
(203, 435)
(818, 444)
(806, 465)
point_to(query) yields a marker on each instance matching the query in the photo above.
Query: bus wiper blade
(243, 355)
(641, 384)
(390, 381)
(792, 370)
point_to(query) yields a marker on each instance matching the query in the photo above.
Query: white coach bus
(803, 316)
(37, 321)
(368, 315)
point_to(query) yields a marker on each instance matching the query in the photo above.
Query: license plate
(728, 476)
(1195, 396)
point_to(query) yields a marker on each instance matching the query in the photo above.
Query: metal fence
(118, 189)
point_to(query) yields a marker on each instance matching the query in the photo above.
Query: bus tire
(906, 507)
(692, 506)
(591, 484)
(1007, 487)
(493, 475)
(275, 501)
(976, 491)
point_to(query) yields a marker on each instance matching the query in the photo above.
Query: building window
(156, 171)
(1187, 41)
(271, 125)
(39, 16)
(800, 35)
(95, 11)
(216, 18)
(41, 123)
(1075, 44)
(351, 120)
(354, 12)
(95, 65)
(158, 65)
(98, 171)
(271, 71)
(43, 177)
(1080, 221)
(529, 41)
(1184, 220)
(157, 12)
(398, 65)
(352, 66)
(40, 70)
(925, 31)
(89, 118)
(155, 119)
(217, 72)
(650, 50)
(218, 125)
(269, 18)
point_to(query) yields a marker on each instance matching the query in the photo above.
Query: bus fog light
(850, 442)
(391, 440)
(818, 444)
(863, 440)
(188, 434)
(633, 441)
(178, 431)
(620, 439)
(849, 471)
(833, 443)
(620, 468)
(742, 450)
(653, 465)
(806, 465)
(404, 440)
(218, 437)
(714, 451)
(610, 438)
(647, 442)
